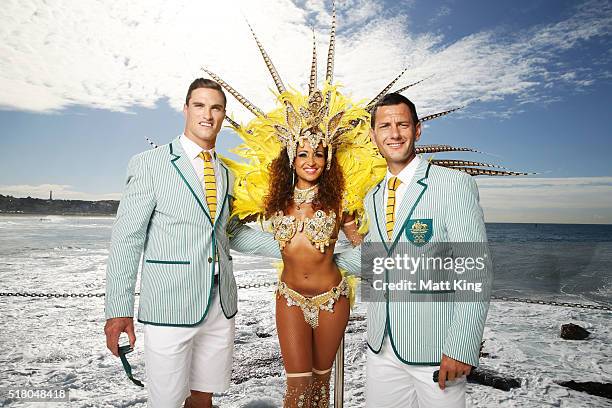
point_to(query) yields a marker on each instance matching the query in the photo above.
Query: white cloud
(115, 55)
(60, 192)
(581, 200)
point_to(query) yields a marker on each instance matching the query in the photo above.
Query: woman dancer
(312, 301)
(309, 163)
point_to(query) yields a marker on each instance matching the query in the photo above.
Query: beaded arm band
(350, 231)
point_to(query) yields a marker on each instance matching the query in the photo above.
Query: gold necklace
(304, 196)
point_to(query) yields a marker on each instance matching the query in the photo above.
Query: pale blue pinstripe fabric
(422, 331)
(163, 215)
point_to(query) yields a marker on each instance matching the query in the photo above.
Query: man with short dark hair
(199, 83)
(417, 203)
(176, 211)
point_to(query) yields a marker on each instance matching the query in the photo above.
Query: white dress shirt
(192, 150)
(406, 176)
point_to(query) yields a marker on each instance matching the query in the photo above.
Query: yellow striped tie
(394, 183)
(210, 185)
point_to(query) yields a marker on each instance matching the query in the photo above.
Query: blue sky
(82, 88)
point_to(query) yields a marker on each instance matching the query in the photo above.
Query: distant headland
(29, 205)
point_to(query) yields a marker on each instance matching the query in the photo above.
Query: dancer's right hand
(114, 327)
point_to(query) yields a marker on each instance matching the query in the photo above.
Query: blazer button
(209, 259)
(230, 258)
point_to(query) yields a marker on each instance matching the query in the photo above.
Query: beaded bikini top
(318, 229)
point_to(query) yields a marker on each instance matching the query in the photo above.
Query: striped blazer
(163, 218)
(422, 329)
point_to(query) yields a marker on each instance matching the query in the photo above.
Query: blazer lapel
(379, 212)
(223, 179)
(411, 198)
(183, 166)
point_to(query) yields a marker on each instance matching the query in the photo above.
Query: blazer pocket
(157, 261)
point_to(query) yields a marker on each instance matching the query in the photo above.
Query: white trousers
(393, 384)
(180, 359)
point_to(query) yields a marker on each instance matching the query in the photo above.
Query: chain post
(339, 376)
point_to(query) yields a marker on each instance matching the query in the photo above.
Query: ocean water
(541, 261)
(564, 262)
(59, 343)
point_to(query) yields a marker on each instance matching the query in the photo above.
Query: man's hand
(114, 327)
(451, 369)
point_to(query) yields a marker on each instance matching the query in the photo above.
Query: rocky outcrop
(572, 331)
(590, 387)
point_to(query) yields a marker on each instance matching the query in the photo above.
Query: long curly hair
(280, 192)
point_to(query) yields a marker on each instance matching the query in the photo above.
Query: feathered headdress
(305, 125)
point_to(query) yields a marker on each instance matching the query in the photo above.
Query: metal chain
(91, 295)
(271, 284)
(52, 295)
(257, 285)
(551, 303)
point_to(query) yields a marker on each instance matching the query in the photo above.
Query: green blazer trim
(395, 351)
(400, 232)
(222, 180)
(173, 161)
(225, 186)
(155, 261)
(383, 238)
(416, 202)
(214, 247)
(397, 354)
(173, 324)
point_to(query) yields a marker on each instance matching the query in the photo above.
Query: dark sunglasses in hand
(123, 350)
